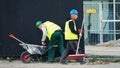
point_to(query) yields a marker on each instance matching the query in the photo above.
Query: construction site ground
(90, 50)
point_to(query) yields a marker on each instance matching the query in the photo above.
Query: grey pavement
(90, 50)
(18, 64)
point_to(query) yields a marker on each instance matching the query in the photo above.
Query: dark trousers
(71, 45)
(56, 37)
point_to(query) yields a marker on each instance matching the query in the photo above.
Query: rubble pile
(113, 43)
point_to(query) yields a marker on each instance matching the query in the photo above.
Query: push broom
(76, 55)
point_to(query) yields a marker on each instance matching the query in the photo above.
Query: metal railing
(102, 24)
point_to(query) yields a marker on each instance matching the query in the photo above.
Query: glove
(80, 34)
(43, 43)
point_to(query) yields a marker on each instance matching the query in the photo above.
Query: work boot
(49, 62)
(64, 62)
(82, 61)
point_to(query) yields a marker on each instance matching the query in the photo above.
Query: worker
(71, 36)
(54, 34)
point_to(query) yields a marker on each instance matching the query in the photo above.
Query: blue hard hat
(73, 11)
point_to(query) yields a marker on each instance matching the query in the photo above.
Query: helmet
(73, 11)
(38, 23)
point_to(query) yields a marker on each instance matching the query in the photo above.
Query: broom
(76, 56)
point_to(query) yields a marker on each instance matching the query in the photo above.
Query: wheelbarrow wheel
(25, 57)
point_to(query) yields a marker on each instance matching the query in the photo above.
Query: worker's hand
(80, 35)
(43, 43)
(80, 31)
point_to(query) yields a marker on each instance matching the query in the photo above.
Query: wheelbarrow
(32, 50)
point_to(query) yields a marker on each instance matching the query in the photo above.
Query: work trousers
(57, 37)
(71, 45)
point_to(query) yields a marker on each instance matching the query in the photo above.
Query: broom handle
(79, 37)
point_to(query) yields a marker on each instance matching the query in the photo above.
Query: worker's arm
(44, 34)
(71, 25)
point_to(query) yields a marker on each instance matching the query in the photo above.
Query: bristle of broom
(76, 56)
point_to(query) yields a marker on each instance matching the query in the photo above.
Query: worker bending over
(54, 34)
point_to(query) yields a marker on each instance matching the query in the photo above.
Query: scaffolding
(102, 21)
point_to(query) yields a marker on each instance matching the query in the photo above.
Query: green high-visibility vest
(68, 34)
(51, 28)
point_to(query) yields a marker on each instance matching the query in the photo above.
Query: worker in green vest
(71, 36)
(54, 34)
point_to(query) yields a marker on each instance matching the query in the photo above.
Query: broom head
(76, 56)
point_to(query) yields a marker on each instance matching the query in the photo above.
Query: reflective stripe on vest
(68, 34)
(51, 28)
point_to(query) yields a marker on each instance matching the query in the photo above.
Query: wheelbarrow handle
(12, 36)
